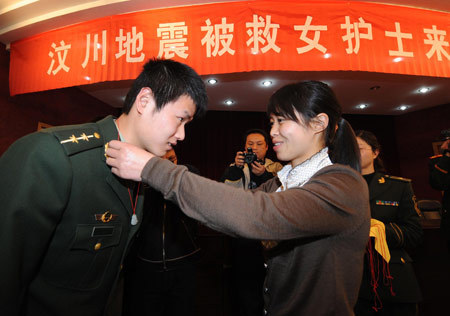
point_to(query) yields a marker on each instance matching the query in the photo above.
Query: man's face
(258, 144)
(159, 130)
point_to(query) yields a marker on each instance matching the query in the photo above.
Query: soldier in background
(388, 289)
(439, 167)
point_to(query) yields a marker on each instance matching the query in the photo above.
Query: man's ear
(320, 122)
(144, 100)
(376, 152)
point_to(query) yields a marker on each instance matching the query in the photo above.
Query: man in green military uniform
(439, 177)
(66, 220)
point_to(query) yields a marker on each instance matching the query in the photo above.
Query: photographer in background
(439, 167)
(250, 169)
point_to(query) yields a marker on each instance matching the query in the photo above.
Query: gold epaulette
(397, 178)
(77, 138)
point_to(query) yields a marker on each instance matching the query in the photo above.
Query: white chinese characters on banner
(172, 40)
(130, 45)
(262, 31)
(220, 39)
(95, 48)
(353, 32)
(61, 52)
(312, 43)
(400, 36)
(436, 38)
(218, 35)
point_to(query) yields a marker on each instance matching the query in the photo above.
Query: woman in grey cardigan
(314, 216)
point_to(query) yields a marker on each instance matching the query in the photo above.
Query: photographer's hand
(239, 159)
(257, 168)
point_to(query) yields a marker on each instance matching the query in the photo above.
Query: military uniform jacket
(392, 202)
(64, 222)
(439, 167)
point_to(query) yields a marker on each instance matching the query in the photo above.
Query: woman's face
(293, 141)
(367, 154)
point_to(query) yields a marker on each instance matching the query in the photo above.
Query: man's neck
(368, 170)
(124, 125)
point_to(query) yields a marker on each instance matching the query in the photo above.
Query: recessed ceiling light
(398, 59)
(403, 107)
(267, 83)
(212, 81)
(229, 102)
(327, 55)
(424, 90)
(362, 106)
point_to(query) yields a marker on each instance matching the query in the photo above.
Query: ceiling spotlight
(403, 107)
(212, 81)
(362, 106)
(424, 90)
(327, 55)
(398, 59)
(229, 102)
(267, 83)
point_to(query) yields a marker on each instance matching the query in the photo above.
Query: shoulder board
(77, 138)
(397, 178)
(436, 156)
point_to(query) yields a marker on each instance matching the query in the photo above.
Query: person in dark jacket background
(247, 259)
(392, 202)
(160, 278)
(439, 167)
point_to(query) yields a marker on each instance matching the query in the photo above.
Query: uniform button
(402, 260)
(265, 311)
(97, 246)
(265, 265)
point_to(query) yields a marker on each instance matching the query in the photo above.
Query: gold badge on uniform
(105, 217)
(381, 180)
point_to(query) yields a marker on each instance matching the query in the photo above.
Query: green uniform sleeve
(405, 230)
(35, 186)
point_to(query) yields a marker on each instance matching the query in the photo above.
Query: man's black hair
(168, 80)
(256, 131)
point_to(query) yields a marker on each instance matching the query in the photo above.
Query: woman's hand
(127, 161)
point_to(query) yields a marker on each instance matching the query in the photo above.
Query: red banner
(237, 37)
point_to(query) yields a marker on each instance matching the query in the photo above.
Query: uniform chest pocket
(84, 263)
(96, 237)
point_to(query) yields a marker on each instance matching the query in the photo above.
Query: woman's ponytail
(343, 148)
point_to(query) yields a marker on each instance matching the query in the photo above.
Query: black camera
(249, 156)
